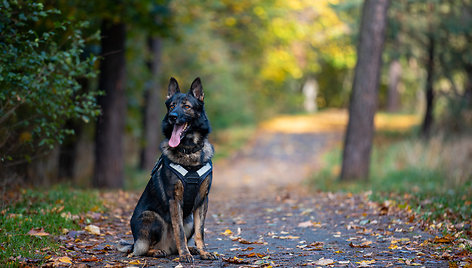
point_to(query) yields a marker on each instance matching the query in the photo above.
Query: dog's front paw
(158, 253)
(186, 258)
(208, 256)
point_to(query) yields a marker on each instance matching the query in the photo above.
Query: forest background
(69, 67)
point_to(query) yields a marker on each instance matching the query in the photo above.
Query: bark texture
(428, 116)
(109, 139)
(364, 96)
(153, 110)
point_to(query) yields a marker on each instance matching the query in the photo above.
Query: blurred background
(83, 82)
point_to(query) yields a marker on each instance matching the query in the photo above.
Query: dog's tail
(124, 246)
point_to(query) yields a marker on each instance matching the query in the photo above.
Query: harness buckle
(192, 178)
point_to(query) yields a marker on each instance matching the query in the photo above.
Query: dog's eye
(186, 107)
(172, 106)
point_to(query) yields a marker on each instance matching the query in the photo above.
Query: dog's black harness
(190, 176)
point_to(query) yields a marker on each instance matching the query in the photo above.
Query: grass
(53, 210)
(433, 177)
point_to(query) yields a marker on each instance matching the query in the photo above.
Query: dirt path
(261, 215)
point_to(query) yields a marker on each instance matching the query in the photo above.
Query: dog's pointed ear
(196, 89)
(172, 88)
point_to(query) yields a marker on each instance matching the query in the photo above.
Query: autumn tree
(363, 102)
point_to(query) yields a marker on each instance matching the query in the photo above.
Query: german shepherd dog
(174, 203)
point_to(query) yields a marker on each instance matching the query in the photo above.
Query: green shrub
(38, 79)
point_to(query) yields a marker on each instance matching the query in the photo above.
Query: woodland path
(261, 214)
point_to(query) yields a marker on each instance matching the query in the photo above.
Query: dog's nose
(173, 116)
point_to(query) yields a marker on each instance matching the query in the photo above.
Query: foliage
(432, 178)
(449, 24)
(52, 210)
(38, 77)
(254, 56)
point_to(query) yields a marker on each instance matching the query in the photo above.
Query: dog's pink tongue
(175, 138)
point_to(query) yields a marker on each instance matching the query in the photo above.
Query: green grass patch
(53, 210)
(432, 177)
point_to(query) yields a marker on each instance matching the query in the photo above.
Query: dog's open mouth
(177, 134)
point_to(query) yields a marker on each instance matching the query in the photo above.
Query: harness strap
(191, 178)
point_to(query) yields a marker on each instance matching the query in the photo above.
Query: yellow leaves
(280, 63)
(444, 240)
(230, 21)
(135, 262)
(260, 12)
(333, 120)
(93, 229)
(227, 232)
(60, 261)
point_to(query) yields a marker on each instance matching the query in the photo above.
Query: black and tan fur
(159, 225)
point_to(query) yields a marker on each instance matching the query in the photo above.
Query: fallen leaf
(227, 232)
(93, 229)
(236, 260)
(64, 259)
(289, 237)
(37, 232)
(443, 240)
(253, 254)
(90, 259)
(324, 261)
(135, 262)
(383, 210)
(247, 249)
(313, 246)
(365, 244)
(365, 263)
(305, 224)
(244, 241)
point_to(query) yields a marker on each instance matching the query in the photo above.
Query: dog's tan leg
(178, 225)
(199, 219)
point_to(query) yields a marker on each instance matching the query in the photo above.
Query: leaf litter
(281, 226)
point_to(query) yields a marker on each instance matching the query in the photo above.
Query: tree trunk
(363, 102)
(394, 74)
(69, 147)
(153, 113)
(468, 86)
(428, 116)
(109, 159)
